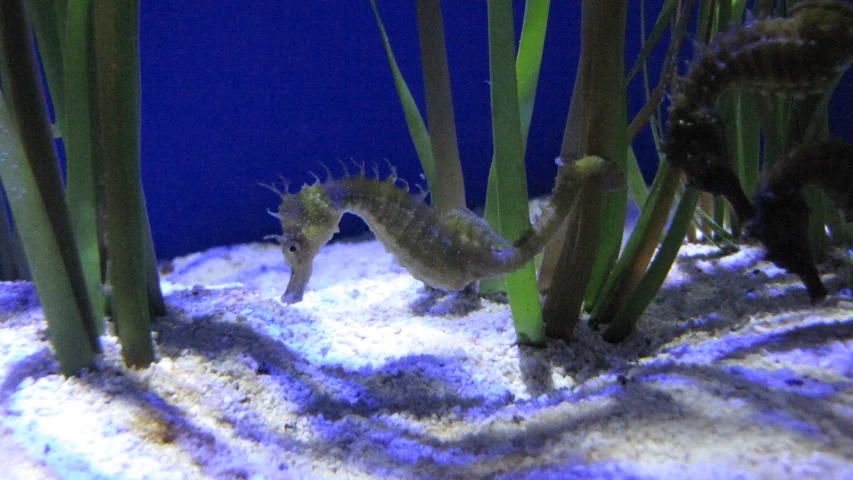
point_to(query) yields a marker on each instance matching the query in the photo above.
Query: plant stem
(417, 127)
(83, 189)
(508, 165)
(641, 247)
(36, 196)
(595, 126)
(117, 81)
(527, 65)
(628, 315)
(587, 230)
(448, 192)
(8, 270)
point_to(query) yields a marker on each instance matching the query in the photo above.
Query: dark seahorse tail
(781, 224)
(797, 55)
(781, 219)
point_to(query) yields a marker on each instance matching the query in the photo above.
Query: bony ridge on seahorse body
(444, 250)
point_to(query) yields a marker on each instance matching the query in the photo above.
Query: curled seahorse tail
(781, 220)
(570, 179)
(781, 223)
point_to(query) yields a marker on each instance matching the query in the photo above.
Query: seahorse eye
(292, 248)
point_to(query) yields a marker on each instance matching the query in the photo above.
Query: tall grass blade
(82, 186)
(634, 178)
(644, 240)
(664, 18)
(117, 81)
(48, 20)
(510, 177)
(624, 321)
(595, 126)
(448, 191)
(71, 327)
(31, 178)
(527, 66)
(417, 127)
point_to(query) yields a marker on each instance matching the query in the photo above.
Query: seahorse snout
(299, 276)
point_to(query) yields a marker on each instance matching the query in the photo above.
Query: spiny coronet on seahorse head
(309, 218)
(308, 221)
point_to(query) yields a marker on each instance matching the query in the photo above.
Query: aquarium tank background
(471, 346)
(236, 93)
(232, 99)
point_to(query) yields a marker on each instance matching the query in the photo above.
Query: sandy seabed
(731, 374)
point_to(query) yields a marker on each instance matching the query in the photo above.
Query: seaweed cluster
(797, 55)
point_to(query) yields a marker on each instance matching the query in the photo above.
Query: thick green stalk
(117, 81)
(612, 228)
(632, 265)
(82, 187)
(36, 196)
(625, 320)
(510, 177)
(48, 19)
(588, 228)
(71, 338)
(449, 190)
(527, 66)
(8, 271)
(641, 247)
(595, 126)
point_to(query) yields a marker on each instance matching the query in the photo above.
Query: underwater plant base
(731, 374)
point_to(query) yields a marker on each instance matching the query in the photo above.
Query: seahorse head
(308, 221)
(697, 141)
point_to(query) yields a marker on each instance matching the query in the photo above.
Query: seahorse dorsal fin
(329, 175)
(392, 177)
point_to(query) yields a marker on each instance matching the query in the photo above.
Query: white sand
(732, 374)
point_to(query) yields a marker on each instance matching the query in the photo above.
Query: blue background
(238, 92)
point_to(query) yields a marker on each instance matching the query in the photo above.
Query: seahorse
(781, 220)
(798, 55)
(444, 250)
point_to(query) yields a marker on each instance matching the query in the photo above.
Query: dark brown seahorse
(447, 251)
(781, 220)
(798, 55)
